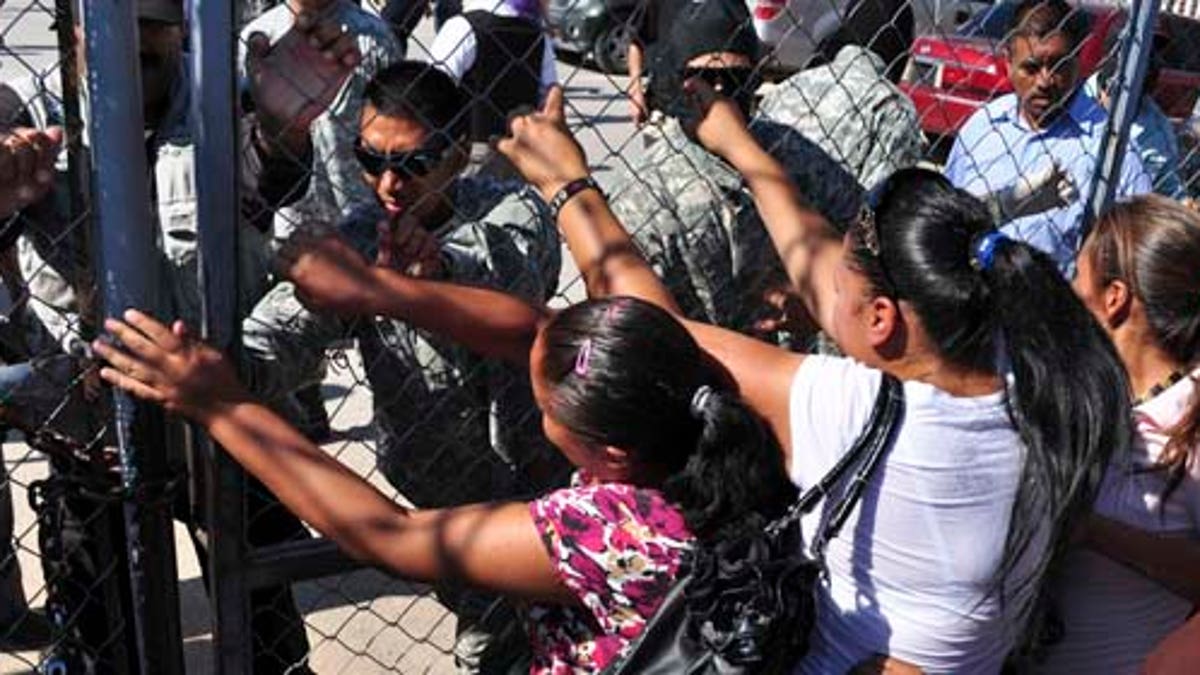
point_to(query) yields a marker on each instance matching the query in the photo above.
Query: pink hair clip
(584, 359)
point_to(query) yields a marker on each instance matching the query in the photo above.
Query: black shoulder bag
(747, 605)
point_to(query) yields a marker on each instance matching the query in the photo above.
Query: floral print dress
(617, 547)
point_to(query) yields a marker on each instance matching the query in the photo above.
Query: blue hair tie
(984, 253)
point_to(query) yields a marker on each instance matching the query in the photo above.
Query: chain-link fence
(248, 146)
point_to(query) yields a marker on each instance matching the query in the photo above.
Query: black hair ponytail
(1069, 399)
(733, 480)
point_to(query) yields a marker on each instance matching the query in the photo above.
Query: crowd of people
(753, 278)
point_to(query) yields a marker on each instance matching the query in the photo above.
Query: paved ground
(357, 623)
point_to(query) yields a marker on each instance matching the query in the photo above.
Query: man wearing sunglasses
(688, 210)
(450, 428)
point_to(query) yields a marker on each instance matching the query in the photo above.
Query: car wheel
(610, 49)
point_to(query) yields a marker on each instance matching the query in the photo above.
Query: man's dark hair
(1042, 18)
(422, 92)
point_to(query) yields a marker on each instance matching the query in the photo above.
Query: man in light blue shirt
(1024, 151)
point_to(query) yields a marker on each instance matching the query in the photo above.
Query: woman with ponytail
(1014, 396)
(1135, 575)
(666, 456)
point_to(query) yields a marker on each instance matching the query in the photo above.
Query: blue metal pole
(214, 110)
(1125, 94)
(129, 259)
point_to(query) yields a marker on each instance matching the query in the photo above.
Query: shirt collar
(1081, 114)
(1170, 404)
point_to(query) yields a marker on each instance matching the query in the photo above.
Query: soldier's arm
(283, 344)
(898, 144)
(53, 300)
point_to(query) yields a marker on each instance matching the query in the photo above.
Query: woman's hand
(330, 276)
(168, 366)
(718, 125)
(542, 148)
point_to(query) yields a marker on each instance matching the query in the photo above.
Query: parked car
(795, 32)
(950, 77)
(597, 29)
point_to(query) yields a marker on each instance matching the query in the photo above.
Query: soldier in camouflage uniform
(335, 187)
(450, 427)
(851, 111)
(689, 212)
(55, 263)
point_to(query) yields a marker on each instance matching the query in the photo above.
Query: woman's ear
(616, 461)
(882, 318)
(1117, 302)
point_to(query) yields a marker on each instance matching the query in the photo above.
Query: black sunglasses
(406, 165)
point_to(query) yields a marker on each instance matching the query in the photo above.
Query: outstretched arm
(331, 276)
(546, 154)
(492, 546)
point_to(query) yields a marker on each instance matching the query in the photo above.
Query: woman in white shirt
(1136, 576)
(939, 564)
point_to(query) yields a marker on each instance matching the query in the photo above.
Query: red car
(949, 77)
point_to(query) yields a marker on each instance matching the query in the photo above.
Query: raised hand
(330, 276)
(784, 310)
(26, 166)
(168, 366)
(718, 125)
(542, 148)
(409, 248)
(296, 79)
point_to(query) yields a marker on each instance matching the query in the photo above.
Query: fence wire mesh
(842, 92)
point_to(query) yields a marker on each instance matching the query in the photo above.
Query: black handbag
(747, 605)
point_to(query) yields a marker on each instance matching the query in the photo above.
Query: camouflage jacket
(695, 220)
(450, 427)
(852, 112)
(336, 187)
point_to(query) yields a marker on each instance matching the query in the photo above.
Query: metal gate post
(1124, 100)
(214, 109)
(128, 261)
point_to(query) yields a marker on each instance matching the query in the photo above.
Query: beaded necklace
(1159, 388)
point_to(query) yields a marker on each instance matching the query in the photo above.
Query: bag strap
(879, 438)
(889, 405)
